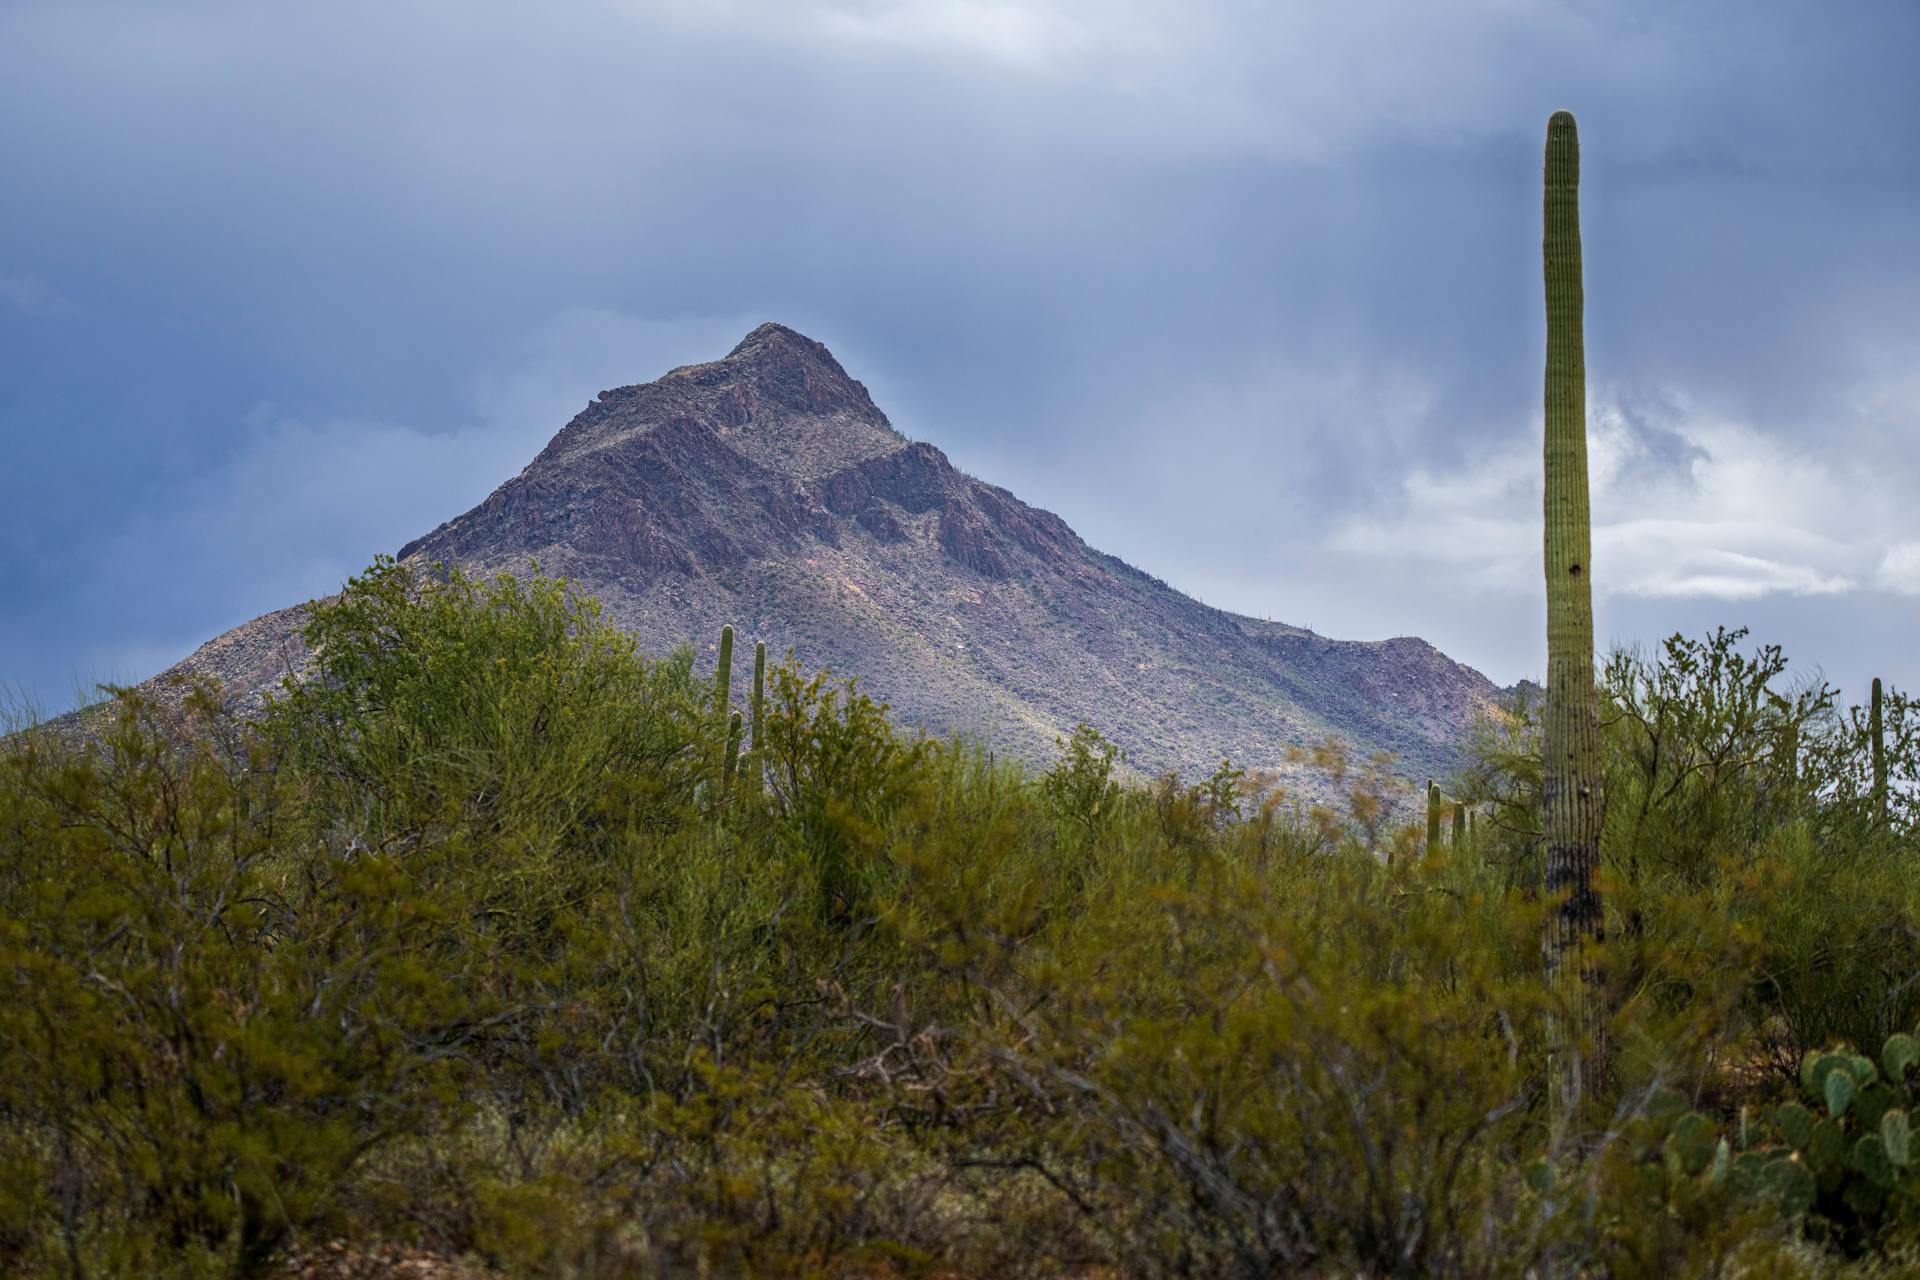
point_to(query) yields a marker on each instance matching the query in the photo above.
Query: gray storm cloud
(1247, 292)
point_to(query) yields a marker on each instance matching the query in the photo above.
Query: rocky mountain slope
(768, 490)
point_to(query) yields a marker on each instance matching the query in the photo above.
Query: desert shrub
(1082, 788)
(1704, 766)
(1837, 948)
(461, 946)
(1318, 1076)
(834, 773)
(207, 1030)
(510, 709)
(1838, 765)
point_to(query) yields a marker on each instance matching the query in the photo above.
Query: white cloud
(1292, 80)
(1057, 36)
(1685, 505)
(1900, 569)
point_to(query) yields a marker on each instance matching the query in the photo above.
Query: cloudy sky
(1246, 290)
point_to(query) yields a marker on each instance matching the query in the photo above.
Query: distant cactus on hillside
(723, 674)
(723, 700)
(759, 707)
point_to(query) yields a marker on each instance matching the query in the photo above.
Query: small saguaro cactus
(732, 765)
(723, 696)
(1459, 825)
(1433, 815)
(1570, 730)
(759, 706)
(1877, 730)
(723, 674)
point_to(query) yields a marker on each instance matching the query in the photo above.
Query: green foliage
(835, 775)
(1731, 783)
(1081, 788)
(1702, 764)
(445, 703)
(1867, 768)
(450, 950)
(209, 1026)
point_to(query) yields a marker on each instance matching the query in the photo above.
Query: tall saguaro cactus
(1877, 730)
(1570, 733)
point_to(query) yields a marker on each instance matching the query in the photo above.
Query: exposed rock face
(768, 490)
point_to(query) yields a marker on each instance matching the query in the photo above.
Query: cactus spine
(1876, 729)
(1570, 734)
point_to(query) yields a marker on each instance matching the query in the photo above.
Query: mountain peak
(778, 368)
(778, 341)
(764, 489)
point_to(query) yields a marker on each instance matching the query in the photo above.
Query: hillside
(768, 490)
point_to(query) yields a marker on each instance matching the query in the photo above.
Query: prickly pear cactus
(1845, 1155)
(1853, 1134)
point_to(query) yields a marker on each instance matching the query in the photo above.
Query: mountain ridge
(767, 489)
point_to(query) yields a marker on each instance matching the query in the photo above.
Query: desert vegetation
(501, 941)
(494, 941)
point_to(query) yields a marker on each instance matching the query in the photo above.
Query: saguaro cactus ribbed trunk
(1433, 815)
(1877, 729)
(1570, 733)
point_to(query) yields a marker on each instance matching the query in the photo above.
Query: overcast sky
(1247, 291)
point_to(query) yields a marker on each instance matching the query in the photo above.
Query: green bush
(464, 946)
